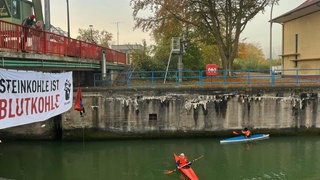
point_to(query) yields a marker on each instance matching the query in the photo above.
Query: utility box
(175, 45)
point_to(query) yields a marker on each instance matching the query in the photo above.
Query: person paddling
(183, 162)
(246, 132)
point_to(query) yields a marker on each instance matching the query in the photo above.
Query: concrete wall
(180, 112)
(195, 111)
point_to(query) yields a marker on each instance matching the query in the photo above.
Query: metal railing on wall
(197, 78)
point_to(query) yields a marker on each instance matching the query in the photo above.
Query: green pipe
(19, 63)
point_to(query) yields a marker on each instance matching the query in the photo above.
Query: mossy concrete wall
(193, 112)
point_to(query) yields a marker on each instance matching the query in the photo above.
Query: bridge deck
(38, 48)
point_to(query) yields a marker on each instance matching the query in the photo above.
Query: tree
(219, 21)
(92, 35)
(142, 61)
(210, 54)
(247, 51)
(250, 56)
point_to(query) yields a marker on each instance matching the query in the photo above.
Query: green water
(292, 158)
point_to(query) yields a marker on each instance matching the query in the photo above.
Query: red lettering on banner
(47, 104)
(27, 105)
(10, 108)
(51, 105)
(19, 107)
(57, 100)
(3, 111)
(41, 105)
(33, 105)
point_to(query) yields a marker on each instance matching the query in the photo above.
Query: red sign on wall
(212, 69)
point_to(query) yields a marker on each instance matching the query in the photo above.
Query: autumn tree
(219, 21)
(248, 51)
(101, 38)
(250, 56)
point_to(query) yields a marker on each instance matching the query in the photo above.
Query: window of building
(7, 6)
(16, 9)
(4, 9)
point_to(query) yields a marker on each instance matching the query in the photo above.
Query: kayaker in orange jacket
(183, 162)
(246, 132)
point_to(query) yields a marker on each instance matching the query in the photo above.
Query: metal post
(117, 39)
(118, 34)
(270, 58)
(249, 82)
(180, 64)
(180, 67)
(103, 68)
(47, 15)
(152, 80)
(91, 32)
(200, 79)
(68, 19)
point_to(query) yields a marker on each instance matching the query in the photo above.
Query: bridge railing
(197, 78)
(15, 37)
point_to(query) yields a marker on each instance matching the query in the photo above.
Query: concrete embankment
(181, 112)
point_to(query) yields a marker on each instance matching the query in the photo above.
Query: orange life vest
(183, 161)
(247, 133)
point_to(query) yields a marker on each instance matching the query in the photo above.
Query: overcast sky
(116, 16)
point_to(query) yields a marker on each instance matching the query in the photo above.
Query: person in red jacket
(246, 132)
(183, 162)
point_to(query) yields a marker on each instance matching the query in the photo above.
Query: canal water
(293, 158)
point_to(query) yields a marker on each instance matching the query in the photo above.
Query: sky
(115, 16)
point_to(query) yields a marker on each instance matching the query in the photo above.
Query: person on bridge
(26, 24)
(246, 132)
(183, 162)
(29, 21)
(36, 38)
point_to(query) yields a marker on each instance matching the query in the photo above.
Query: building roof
(306, 8)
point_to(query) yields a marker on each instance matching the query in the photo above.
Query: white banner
(29, 96)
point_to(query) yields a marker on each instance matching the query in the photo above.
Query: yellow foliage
(249, 51)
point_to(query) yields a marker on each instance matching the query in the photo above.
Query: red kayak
(186, 171)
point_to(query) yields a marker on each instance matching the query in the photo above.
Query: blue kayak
(238, 139)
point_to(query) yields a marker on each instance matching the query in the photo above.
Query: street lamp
(68, 19)
(270, 58)
(91, 26)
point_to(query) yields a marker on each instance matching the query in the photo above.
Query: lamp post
(270, 55)
(118, 34)
(68, 19)
(91, 26)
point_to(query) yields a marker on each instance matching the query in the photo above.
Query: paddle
(234, 132)
(169, 172)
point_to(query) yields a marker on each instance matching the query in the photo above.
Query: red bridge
(30, 48)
